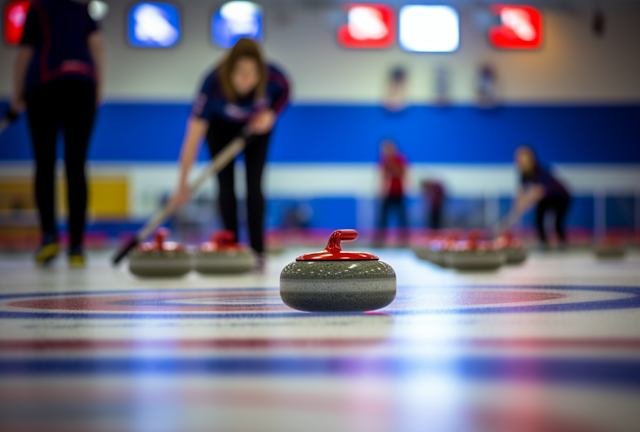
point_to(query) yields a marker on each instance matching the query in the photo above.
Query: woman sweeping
(242, 94)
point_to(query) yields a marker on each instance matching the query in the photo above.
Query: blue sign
(235, 20)
(153, 25)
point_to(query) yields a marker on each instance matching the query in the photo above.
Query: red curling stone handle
(158, 238)
(339, 236)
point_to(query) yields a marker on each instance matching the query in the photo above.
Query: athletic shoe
(76, 258)
(46, 253)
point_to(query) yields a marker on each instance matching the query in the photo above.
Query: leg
(43, 124)
(221, 132)
(255, 157)
(402, 218)
(78, 123)
(541, 209)
(383, 220)
(561, 213)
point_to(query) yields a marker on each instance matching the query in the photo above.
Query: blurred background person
(393, 168)
(58, 76)
(539, 188)
(242, 91)
(434, 194)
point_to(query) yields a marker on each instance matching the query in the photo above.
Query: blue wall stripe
(352, 133)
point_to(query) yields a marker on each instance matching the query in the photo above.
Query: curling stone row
(610, 248)
(472, 253)
(161, 258)
(337, 281)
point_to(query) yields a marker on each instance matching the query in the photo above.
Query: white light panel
(429, 28)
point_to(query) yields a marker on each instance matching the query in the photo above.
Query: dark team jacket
(211, 100)
(58, 31)
(541, 176)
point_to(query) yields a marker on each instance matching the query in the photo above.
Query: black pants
(389, 203)
(559, 206)
(72, 107)
(221, 132)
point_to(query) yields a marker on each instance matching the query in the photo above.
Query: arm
(525, 199)
(196, 130)
(96, 49)
(23, 58)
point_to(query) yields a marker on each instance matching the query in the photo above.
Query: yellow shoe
(46, 254)
(76, 261)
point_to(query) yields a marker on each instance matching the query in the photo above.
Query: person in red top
(393, 166)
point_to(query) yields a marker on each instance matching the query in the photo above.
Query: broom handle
(221, 160)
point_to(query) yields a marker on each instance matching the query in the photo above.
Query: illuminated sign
(235, 20)
(368, 26)
(520, 28)
(429, 28)
(15, 15)
(153, 25)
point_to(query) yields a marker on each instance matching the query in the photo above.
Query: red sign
(521, 27)
(368, 26)
(15, 15)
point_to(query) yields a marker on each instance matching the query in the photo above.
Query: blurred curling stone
(421, 248)
(337, 281)
(610, 248)
(440, 248)
(512, 248)
(475, 254)
(223, 255)
(160, 258)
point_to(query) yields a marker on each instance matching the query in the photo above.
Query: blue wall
(351, 133)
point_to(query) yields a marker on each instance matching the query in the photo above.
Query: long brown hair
(244, 48)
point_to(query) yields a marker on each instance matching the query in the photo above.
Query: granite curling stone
(474, 254)
(513, 250)
(222, 255)
(160, 258)
(610, 248)
(337, 281)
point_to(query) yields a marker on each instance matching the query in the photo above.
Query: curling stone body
(336, 281)
(222, 255)
(159, 263)
(422, 253)
(475, 259)
(512, 248)
(224, 262)
(610, 251)
(473, 254)
(337, 286)
(160, 258)
(514, 255)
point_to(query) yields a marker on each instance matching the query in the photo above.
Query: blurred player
(58, 76)
(539, 188)
(242, 91)
(435, 195)
(393, 166)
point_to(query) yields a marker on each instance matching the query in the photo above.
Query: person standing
(393, 166)
(243, 94)
(58, 75)
(540, 189)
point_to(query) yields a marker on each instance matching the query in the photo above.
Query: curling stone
(160, 258)
(474, 254)
(512, 248)
(223, 255)
(441, 248)
(610, 248)
(337, 281)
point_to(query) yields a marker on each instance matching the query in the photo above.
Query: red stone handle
(158, 238)
(337, 236)
(222, 238)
